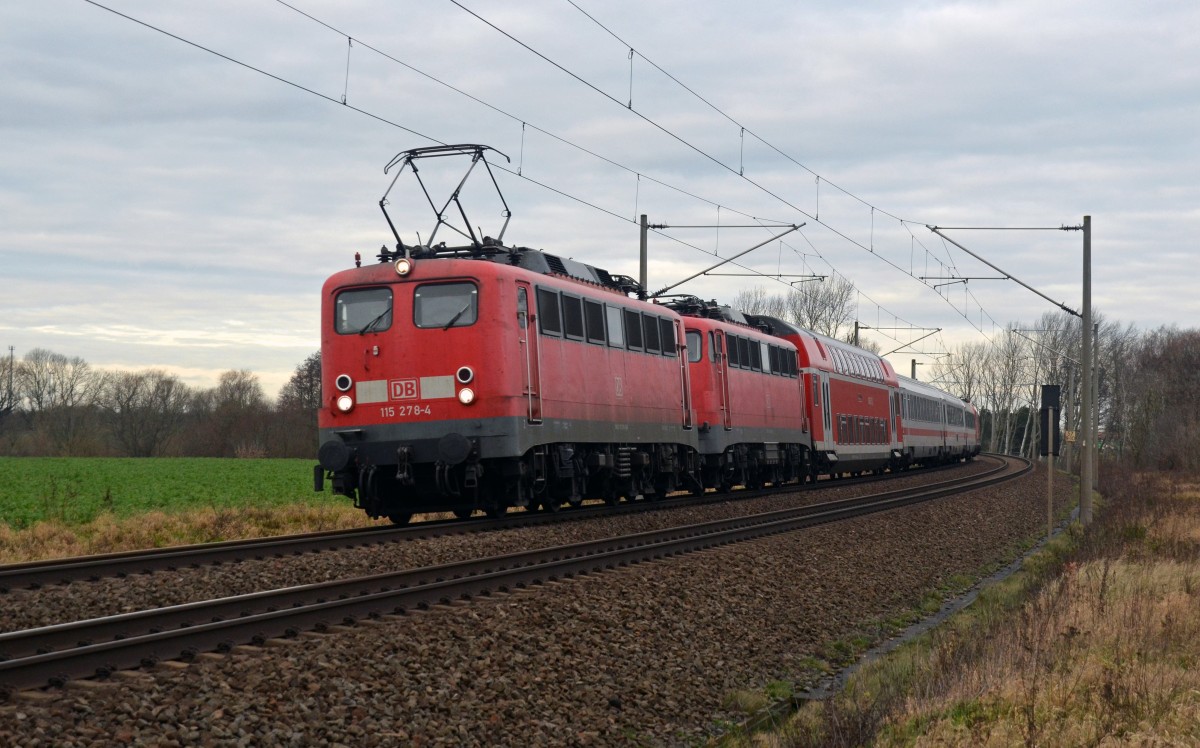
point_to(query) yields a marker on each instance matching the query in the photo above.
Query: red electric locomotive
(480, 376)
(748, 397)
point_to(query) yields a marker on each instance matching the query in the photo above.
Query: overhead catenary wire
(353, 40)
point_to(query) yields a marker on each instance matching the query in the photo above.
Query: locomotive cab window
(363, 310)
(446, 305)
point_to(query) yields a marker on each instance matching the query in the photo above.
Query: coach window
(633, 330)
(446, 305)
(616, 332)
(650, 333)
(695, 344)
(363, 310)
(551, 321)
(572, 308)
(666, 332)
(593, 317)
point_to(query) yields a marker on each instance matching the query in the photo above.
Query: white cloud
(164, 207)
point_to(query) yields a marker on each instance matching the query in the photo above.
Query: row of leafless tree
(1148, 387)
(64, 406)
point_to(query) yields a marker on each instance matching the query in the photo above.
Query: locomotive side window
(363, 310)
(667, 331)
(694, 344)
(754, 354)
(731, 341)
(572, 309)
(764, 358)
(616, 334)
(650, 328)
(633, 330)
(548, 314)
(446, 305)
(593, 317)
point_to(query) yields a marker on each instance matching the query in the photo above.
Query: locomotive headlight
(466, 396)
(464, 375)
(404, 266)
(345, 403)
(343, 382)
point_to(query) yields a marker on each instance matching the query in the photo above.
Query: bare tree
(60, 395)
(826, 307)
(296, 412)
(230, 420)
(303, 390)
(147, 409)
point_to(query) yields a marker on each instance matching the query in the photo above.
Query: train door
(721, 361)
(681, 352)
(828, 409)
(531, 362)
(895, 419)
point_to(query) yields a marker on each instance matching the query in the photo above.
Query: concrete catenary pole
(642, 275)
(1085, 427)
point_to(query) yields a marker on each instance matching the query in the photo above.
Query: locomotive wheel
(550, 506)
(463, 513)
(401, 518)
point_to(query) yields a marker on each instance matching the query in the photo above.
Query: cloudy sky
(175, 200)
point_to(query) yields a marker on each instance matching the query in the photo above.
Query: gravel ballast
(643, 655)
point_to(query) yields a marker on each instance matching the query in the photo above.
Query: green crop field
(77, 490)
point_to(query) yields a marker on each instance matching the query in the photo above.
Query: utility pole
(642, 275)
(12, 366)
(1096, 401)
(1085, 427)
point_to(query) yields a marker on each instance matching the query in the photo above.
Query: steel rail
(35, 574)
(54, 654)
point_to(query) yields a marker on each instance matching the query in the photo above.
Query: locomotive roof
(526, 258)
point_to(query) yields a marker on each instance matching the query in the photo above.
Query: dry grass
(106, 533)
(1095, 642)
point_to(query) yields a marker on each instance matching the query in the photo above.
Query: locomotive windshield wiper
(460, 313)
(375, 321)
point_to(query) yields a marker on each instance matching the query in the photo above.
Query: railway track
(53, 655)
(36, 574)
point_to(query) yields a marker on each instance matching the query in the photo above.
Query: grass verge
(56, 507)
(1095, 640)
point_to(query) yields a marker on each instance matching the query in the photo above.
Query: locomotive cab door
(531, 368)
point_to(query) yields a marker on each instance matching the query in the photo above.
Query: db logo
(404, 389)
